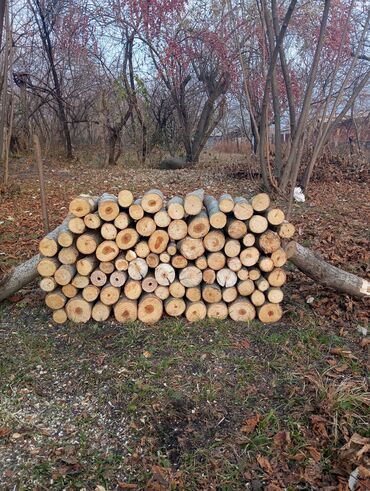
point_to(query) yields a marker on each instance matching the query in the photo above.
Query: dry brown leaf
(343, 352)
(4, 431)
(127, 485)
(282, 438)
(315, 454)
(365, 342)
(250, 424)
(264, 464)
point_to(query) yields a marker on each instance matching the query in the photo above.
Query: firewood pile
(142, 258)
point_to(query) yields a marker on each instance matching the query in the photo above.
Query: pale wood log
(177, 290)
(108, 207)
(226, 277)
(216, 260)
(125, 198)
(158, 241)
(172, 248)
(100, 312)
(277, 277)
(193, 202)
(142, 249)
(261, 202)
(68, 255)
(234, 263)
(88, 242)
(164, 274)
(65, 239)
(46, 266)
(217, 310)
(275, 216)
(236, 229)
(98, 278)
(258, 224)
(270, 312)
(92, 221)
(107, 267)
(76, 225)
(150, 309)
(243, 210)
(191, 248)
(258, 298)
(118, 278)
(59, 316)
(122, 220)
(177, 229)
(254, 274)
(211, 293)
(242, 310)
(275, 295)
(190, 276)
(149, 284)
(82, 205)
(132, 289)
(162, 292)
(55, 299)
(314, 266)
(107, 251)
(80, 281)
(262, 284)
(266, 264)
(286, 230)
(174, 307)
(179, 261)
(136, 211)
(137, 269)
(121, 263)
(201, 262)
(229, 294)
(214, 241)
(48, 284)
(249, 240)
(232, 248)
(90, 293)
(78, 310)
(269, 242)
(175, 208)
(145, 226)
(209, 276)
(130, 255)
(195, 311)
(108, 231)
(243, 274)
(125, 310)
(198, 225)
(249, 256)
(164, 257)
(245, 287)
(127, 238)
(279, 257)
(152, 201)
(194, 294)
(109, 294)
(86, 265)
(48, 246)
(64, 274)
(69, 290)
(162, 218)
(152, 260)
(226, 203)
(217, 218)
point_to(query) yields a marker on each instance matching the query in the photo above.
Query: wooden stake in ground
(44, 207)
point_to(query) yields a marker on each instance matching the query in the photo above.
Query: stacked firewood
(140, 258)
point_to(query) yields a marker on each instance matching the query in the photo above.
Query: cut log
(229, 294)
(209, 276)
(172, 248)
(258, 224)
(49, 247)
(254, 274)
(177, 229)
(78, 310)
(130, 255)
(315, 267)
(127, 238)
(162, 218)
(162, 292)
(68, 255)
(211, 293)
(193, 202)
(249, 240)
(145, 226)
(190, 276)
(179, 261)
(269, 242)
(177, 290)
(262, 284)
(243, 210)
(194, 294)
(217, 218)
(142, 249)
(245, 287)
(152, 260)
(236, 229)
(125, 198)
(249, 256)
(55, 299)
(217, 310)
(175, 208)
(275, 216)
(118, 278)
(107, 251)
(216, 260)
(261, 202)
(132, 289)
(122, 221)
(257, 298)
(92, 221)
(286, 230)
(201, 262)
(77, 225)
(214, 241)
(107, 267)
(226, 277)
(164, 257)
(121, 263)
(164, 274)
(241, 310)
(108, 231)
(82, 205)
(45, 266)
(69, 290)
(150, 309)
(80, 281)
(149, 284)
(191, 248)
(234, 263)
(158, 241)
(138, 269)
(109, 294)
(65, 239)
(88, 242)
(86, 265)
(266, 264)
(226, 203)
(174, 307)
(64, 274)
(100, 312)
(98, 278)
(277, 277)
(275, 295)
(270, 312)
(136, 211)
(198, 226)
(232, 248)
(48, 284)
(90, 293)
(125, 310)
(108, 207)
(59, 316)
(195, 311)
(152, 201)
(279, 257)
(243, 274)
